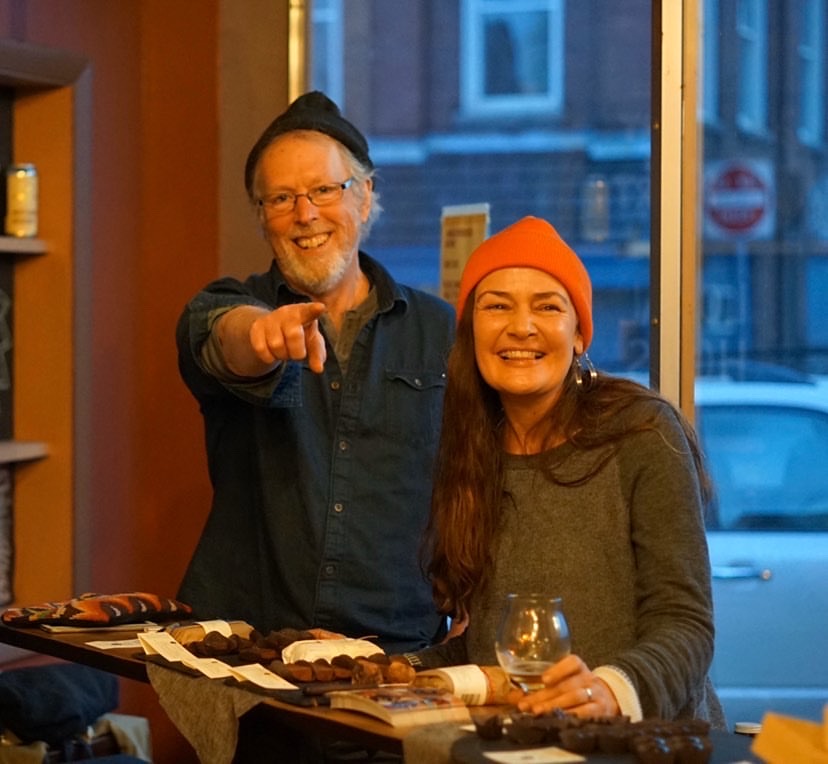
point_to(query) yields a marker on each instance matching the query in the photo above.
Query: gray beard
(312, 281)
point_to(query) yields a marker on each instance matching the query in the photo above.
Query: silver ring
(588, 694)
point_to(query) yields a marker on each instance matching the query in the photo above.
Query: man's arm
(254, 341)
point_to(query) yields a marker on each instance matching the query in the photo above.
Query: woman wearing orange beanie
(553, 478)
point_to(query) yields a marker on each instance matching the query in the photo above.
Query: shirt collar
(389, 292)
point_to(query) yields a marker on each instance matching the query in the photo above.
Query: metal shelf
(12, 451)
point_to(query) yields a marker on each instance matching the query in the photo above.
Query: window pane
(812, 73)
(752, 33)
(709, 67)
(505, 102)
(516, 54)
(326, 60)
(768, 483)
(764, 201)
(762, 382)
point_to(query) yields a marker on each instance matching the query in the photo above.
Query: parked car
(767, 447)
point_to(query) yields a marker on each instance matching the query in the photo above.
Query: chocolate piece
(281, 638)
(342, 666)
(343, 661)
(692, 749)
(579, 739)
(301, 671)
(398, 671)
(366, 673)
(281, 669)
(489, 727)
(613, 739)
(524, 729)
(322, 670)
(653, 750)
(554, 723)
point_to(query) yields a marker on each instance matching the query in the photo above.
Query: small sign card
(464, 227)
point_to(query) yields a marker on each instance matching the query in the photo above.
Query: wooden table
(72, 647)
(727, 749)
(320, 720)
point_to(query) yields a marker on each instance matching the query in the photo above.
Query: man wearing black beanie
(321, 385)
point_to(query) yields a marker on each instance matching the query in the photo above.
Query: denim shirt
(322, 482)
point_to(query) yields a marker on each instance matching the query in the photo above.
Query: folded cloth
(132, 734)
(54, 703)
(98, 610)
(205, 711)
(432, 743)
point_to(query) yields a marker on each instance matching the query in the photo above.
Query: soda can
(21, 200)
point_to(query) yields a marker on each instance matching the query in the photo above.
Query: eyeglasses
(285, 201)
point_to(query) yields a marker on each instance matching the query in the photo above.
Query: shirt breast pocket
(414, 403)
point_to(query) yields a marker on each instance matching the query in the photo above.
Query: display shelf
(12, 451)
(21, 451)
(18, 245)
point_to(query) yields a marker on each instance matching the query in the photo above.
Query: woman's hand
(572, 687)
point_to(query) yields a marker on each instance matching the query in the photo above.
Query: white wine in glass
(532, 636)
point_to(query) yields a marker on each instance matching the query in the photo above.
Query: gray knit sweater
(626, 552)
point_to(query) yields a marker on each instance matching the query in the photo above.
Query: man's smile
(312, 242)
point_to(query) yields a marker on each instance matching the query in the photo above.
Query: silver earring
(585, 372)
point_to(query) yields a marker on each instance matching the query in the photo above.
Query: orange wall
(154, 232)
(161, 114)
(43, 356)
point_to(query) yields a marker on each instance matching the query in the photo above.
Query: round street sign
(738, 200)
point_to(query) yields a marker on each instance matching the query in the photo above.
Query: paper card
(550, 755)
(222, 627)
(260, 676)
(62, 629)
(212, 668)
(312, 649)
(162, 643)
(463, 228)
(114, 644)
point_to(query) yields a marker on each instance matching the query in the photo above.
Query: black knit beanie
(311, 111)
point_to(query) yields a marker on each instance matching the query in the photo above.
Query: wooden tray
(727, 748)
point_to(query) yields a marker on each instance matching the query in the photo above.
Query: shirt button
(418, 382)
(330, 570)
(343, 445)
(335, 385)
(338, 507)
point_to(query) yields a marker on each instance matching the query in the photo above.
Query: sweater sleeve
(452, 652)
(669, 663)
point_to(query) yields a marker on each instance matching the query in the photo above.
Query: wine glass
(532, 636)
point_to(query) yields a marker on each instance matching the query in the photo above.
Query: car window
(769, 465)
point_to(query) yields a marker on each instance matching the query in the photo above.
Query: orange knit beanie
(532, 243)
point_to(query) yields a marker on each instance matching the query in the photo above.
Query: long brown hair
(469, 477)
